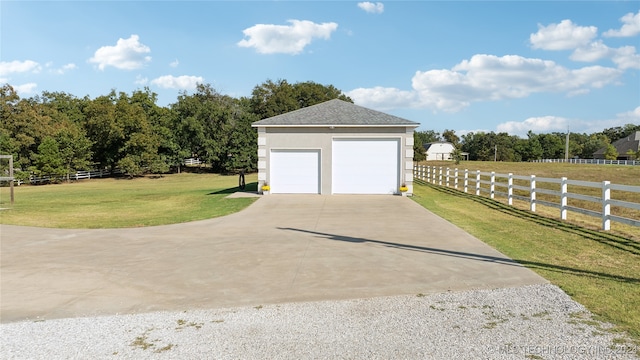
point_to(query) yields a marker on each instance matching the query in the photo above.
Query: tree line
(56, 133)
(489, 146)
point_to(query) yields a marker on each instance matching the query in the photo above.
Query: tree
(104, 131)
(74, 149)
(420, 138)
(456, 155)
(593, 143)
(450, 136)
(611, 153)
(47, 161)
(619, 132)
(217, 129)
(275, 98)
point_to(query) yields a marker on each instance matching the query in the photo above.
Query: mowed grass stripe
(118, 203)
(598, 269)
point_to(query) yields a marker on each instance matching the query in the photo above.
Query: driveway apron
(283, 248)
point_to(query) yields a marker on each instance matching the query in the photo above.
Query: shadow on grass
(472, 256)
(613, 240)
(250, 187)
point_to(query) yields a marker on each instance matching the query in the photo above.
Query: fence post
(563, 198)
(510, 189)
(455, 179)
(606, 205)
(477, 182)
(447, 177)
(493, 184)
(466, 180)
(532, 194)
(440, 177)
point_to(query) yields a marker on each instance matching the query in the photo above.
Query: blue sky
(468, 66)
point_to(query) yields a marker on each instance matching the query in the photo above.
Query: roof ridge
(335, 112)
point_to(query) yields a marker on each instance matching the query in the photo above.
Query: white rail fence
(590, 161)
(474, 180)
(192, 161)
(78, 175)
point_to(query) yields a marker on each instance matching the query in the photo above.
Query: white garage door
(295, 171)
(365, 166)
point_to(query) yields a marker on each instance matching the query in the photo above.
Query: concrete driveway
(283, 248)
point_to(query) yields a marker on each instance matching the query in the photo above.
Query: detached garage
(335, 147)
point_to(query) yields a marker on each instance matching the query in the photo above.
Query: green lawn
(118, 202)
(597, 269)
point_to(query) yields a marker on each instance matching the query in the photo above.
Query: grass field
(597, 269)
(118, 202)
(618, 174)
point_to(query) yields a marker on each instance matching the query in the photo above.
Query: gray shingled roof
(335, 113)
(631, 142)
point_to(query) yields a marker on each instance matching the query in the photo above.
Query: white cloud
(12, 67)
(140, 80)
(376, 8)
(563, 36)
(25, 89)
(183, 82)
(546, 124)
(174, 63)
(487, 78)
(631, 26)
(630, 117)
(285, 39)
(621, 119)
(465, 132)
(382, 98)
(64, 68)
(542, 124)
(127, 54)
(626, 58)
(591, 52)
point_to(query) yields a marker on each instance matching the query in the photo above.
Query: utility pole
(495, 152)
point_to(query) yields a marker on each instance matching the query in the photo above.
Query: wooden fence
(529, 187)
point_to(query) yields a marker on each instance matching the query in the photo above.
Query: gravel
(529, 322)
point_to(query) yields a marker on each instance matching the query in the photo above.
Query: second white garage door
(295, 171)
(365, 166)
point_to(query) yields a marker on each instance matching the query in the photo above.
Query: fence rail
(192, 161)
(590, 161)
(503, 185)
(78, 175)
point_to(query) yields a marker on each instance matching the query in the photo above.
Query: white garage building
(335, 147)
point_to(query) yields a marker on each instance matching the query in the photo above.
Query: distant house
(631, 142)
(438, 150)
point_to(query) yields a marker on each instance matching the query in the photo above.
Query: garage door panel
(295, 171)
(365, 166)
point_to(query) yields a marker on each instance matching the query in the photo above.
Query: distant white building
(440, 150)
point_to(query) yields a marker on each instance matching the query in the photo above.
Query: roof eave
(336, 126)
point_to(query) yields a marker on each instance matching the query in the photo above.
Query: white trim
(333, 126)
